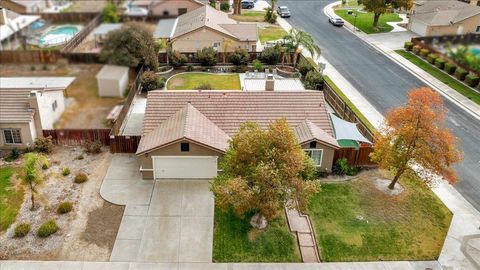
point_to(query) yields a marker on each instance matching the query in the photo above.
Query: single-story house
(101, 32)
(451, 17)
(112, 81)
(27, 106)
(186, 133)
(207, 27)
(168, 8)
(26, 6)
(12, 25)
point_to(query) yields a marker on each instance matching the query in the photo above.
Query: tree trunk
(259, 221)
(273, 5)
(395, 179)
(376, 16)
(32, 198)
(295, 56)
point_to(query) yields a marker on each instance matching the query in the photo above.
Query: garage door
(189, 167)
(418, 27)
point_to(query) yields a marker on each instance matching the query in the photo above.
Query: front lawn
(235, 241)
(354, 221)
(249, 16)
(365, 21)
(270, 33)
(11, 198)
(442, 76)
(192, 81)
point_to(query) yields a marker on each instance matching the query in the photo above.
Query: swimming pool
(475, 51)
(58, 35)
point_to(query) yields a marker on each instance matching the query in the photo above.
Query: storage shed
(112, 81)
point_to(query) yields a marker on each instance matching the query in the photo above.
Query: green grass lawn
(271, 33)
(11, 198)
(442, 76)
(192, 81)
(365, 21)
(410, 226)
(235, 241)
(249, 16)
(349, 103)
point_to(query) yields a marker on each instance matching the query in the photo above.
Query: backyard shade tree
(296, 38)
(128, 46)
(379, 7)
(109, 14)
(31, 174)
(415, 135)
(262, 170)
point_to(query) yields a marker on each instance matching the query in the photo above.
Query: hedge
(431, 58)
(461, 73)
(416, 49)
(472, 80)
(440, 63)
(408, 45)
(450, 68)
(424, 52)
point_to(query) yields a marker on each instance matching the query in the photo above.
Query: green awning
(348, 144)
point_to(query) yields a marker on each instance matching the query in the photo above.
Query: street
(385, 84)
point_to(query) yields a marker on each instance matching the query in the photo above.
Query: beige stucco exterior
(327, 155)
(466, 26)
(27, 132)
(174, 7)
(206, 37)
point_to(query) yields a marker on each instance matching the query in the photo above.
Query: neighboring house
(185, 133)
(26, 6)
(27, 106)
(432, 18)
(12, 28)
(168, 8)
(112, 81)
(207, 27)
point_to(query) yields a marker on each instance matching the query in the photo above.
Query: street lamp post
(355, 21)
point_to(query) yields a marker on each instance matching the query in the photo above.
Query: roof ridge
(186, 127)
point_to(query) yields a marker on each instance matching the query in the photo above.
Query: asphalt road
(385, 84)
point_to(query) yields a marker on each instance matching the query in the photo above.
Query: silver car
(336, 21)
(283, 11)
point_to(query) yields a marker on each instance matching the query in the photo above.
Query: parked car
(248, 4)
(283, 11)
(336, 21)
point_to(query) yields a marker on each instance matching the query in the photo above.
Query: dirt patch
(382, 185)
(99, 228)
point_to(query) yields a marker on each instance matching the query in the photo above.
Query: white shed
(112, 81)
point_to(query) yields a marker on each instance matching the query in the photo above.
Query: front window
(315, 155)
(12, 136)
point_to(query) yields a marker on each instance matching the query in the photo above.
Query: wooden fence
(30, 57)
(78, 136)
(78, 38)
(355, 157)
(67, 17)
(124, 144)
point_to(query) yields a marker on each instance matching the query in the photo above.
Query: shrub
(204, 86)
(304, 67)
(22, 229)
(225, 7)
(177, 59)
(44, 145)
(313, 80)
(64, 207)
(48, 228)
(450, 68)
(257, 65)
(440, 63)
(270, 16)
(94, 147)
(461, 73)
(110, 14)
(424, 52)
(80, 178)
(271, 55)
(416, 49)
(14, 155)
(189, 68)
(240, 57)
(66, 171)
(471, 80)
(431, 58)
(207, 57)
(79, 157)
(45, 164)
(341, 167)
(408, 45)
(151, 81)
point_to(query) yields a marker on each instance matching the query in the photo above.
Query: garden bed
(202, 81)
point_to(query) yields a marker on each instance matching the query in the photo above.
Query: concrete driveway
(164, 220)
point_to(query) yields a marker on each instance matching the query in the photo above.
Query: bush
(450, 68)
(110, 14)
(431, 58)
(44, 145)
(304, 67)
(270, 55)
(416, 49)
(225, 7)
(270, 16)
(461, 73)
(471, 80)
(408, 45)
(440, 63)
(257, 65)
(80, 178)
(177, 59)
(64, 207)
(48, 228)
(45, 164)
(79, 157)
(341, 167)
(204, 86)
(65, 171)
(94, 147)
(14, 155)
(189, 68)
(424, 52)
(313, 80)
(22, 229)
(151, 81)
(240, 57)
(207, 57)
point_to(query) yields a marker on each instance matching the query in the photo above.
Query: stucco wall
(327, 156)
(170, 7)
(469, 26)
(45, 102)
(27, 131)
(205, 37)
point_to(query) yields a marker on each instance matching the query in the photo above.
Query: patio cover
(347, 133)
(165, 28)
(105, 28)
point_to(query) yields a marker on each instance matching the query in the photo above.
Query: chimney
(269, 83)
(3, 16)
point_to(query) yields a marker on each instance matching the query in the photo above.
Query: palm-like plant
(295, 39)
(31, 174)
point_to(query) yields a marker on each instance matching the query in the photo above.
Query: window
(182, 11)
(166, 13)
(54, 105)
(478, 27)
(12, 136)
(184, 147)
(315, 155)
(313, 144)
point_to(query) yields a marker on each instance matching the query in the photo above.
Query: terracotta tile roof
(307, 131)
(187, 123)
(228, 110)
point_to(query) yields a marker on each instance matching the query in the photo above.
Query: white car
(336, 21)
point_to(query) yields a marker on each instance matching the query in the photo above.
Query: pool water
(475, 51)
(58, 35)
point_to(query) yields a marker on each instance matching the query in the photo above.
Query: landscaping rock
(382, 185)
(258, 221)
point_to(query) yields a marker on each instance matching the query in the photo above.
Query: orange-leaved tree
(415, 135)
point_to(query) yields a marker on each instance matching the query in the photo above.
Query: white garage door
(184, 167)
(418, 27)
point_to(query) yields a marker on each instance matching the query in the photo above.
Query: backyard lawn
(204, 81)
(11, 198)
(235, 241)
(354, 221)
(270, 33)
(442, 76)
(364, 21)
(249, 16)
